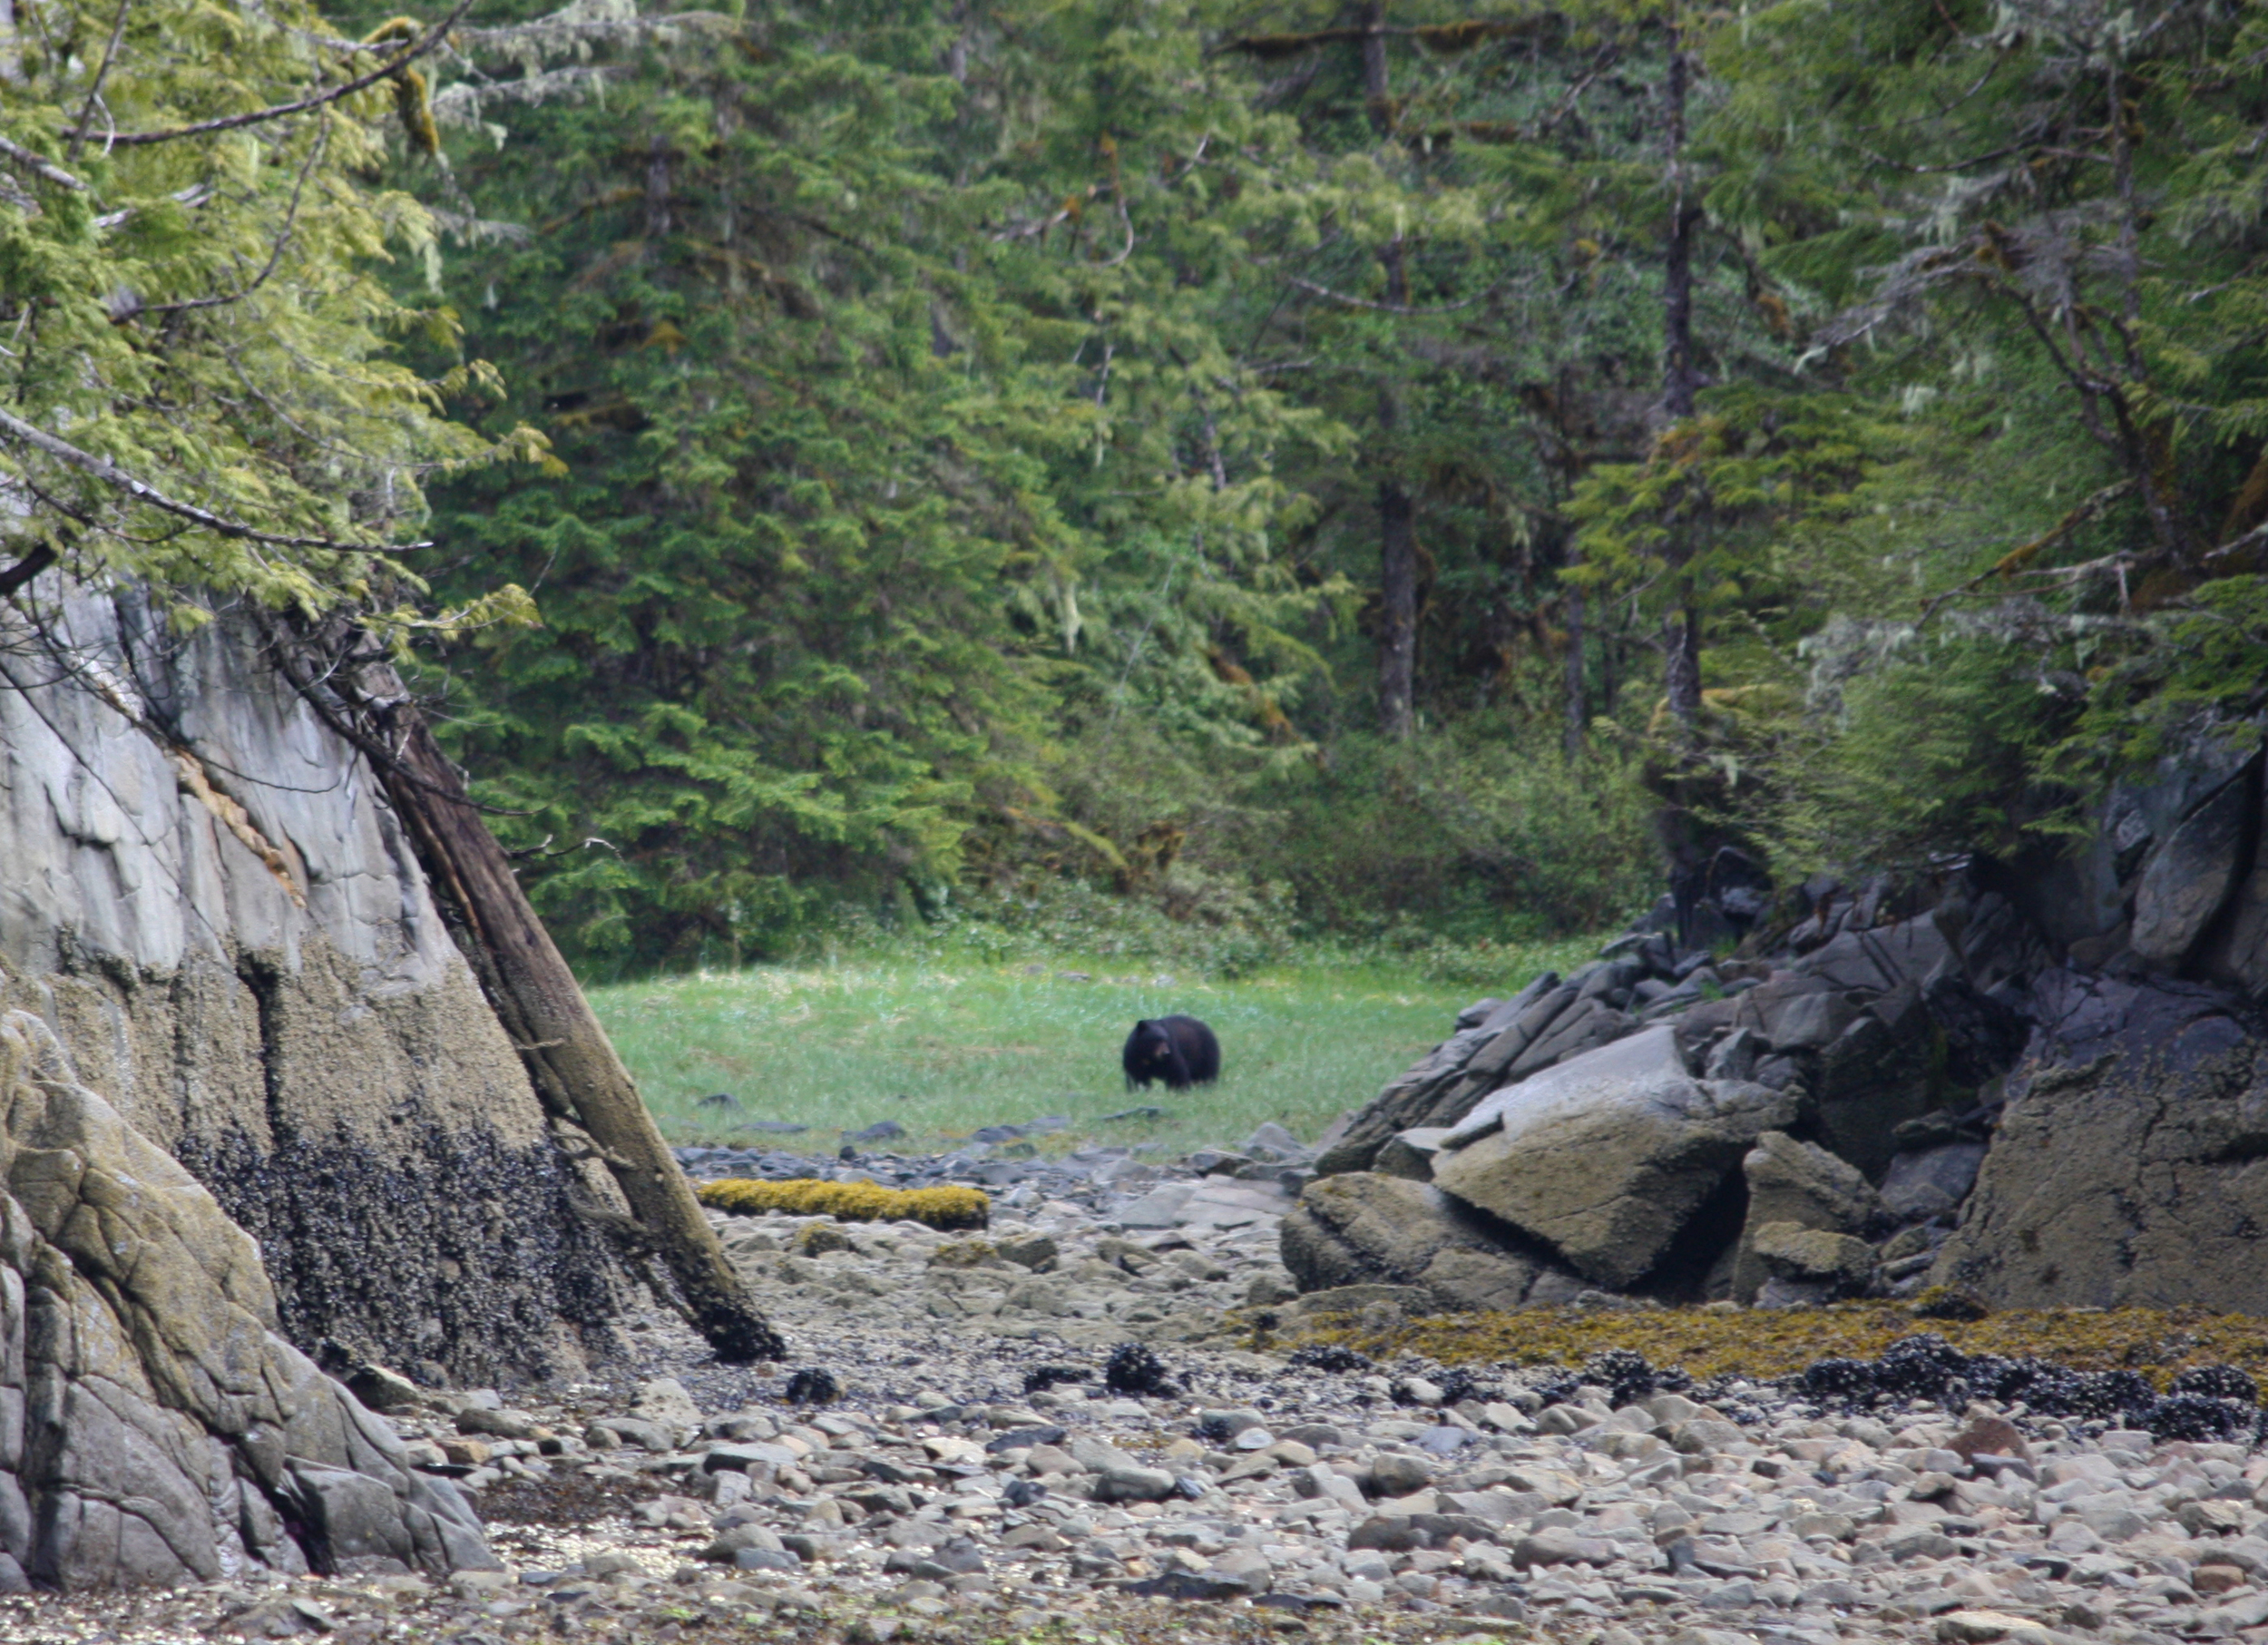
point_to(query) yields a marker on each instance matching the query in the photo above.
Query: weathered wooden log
(568, 1058)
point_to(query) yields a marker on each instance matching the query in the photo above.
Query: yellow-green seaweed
(1778, 1342)
(940, 1208)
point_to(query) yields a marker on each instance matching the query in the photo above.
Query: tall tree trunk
(1681, 376)
(1681, 373)
(1397, 596)
(535, 996)
(1397, 528)
(1681, 666)
(1377, 89)
(1577, 707)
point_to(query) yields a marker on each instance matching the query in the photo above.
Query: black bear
(1180, 1051)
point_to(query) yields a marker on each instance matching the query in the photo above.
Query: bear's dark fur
(1180, 1051)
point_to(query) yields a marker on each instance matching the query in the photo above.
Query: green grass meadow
(945, 1046)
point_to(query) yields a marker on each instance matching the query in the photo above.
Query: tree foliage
(202, 386)
(979, 442)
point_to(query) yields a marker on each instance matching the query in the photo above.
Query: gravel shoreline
(958, 1465)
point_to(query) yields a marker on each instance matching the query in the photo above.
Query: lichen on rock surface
(2127, 1170)
(154, 1427)
(1365, 1228)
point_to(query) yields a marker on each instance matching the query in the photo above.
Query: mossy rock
(1947, 1302)
(1708, 1342)
(966, 1254)
(821, 1237)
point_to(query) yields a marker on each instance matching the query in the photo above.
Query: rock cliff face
(206, 900)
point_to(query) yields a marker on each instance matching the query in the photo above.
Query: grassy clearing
(944, 1045)
(1769, 1343)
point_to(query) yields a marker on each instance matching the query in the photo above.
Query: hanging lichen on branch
(413, 98)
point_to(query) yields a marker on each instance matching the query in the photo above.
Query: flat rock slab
(1650, 1053)
(1160, 1208)
(1234, 1204)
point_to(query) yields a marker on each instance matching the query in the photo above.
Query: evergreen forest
(1385, 472)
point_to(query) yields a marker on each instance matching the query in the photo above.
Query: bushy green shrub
(1935, 746)
(1450, 840)
(1461, 834)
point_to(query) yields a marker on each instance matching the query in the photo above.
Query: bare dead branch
(47, 169)
(94, 90)
(1341, 299)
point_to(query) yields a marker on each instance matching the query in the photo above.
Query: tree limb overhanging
(43, 167)
(13, 428)
(417, 48)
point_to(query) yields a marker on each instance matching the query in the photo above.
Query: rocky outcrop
(211, 903)
(154, 1428)
(1802, 1185)
(2190, 876)
(2033, 1082)
(2131, 1165)
(1623, 1154)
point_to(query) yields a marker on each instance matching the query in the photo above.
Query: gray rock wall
(2131, 1168)
(207, 899)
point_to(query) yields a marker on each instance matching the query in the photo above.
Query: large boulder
(1803, 1186)
(1789, 1251)
(1608, 1157)
(1873, 1076)
(2236, 949)
(158, 1429)
(2189, 878)
(2131, 1164)
(1793, 1012)
(1877, 961)
(1926, 1182)
(1498, 1043)
(1362, 1227)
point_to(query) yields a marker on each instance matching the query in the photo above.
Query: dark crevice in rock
(1682, 1273)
